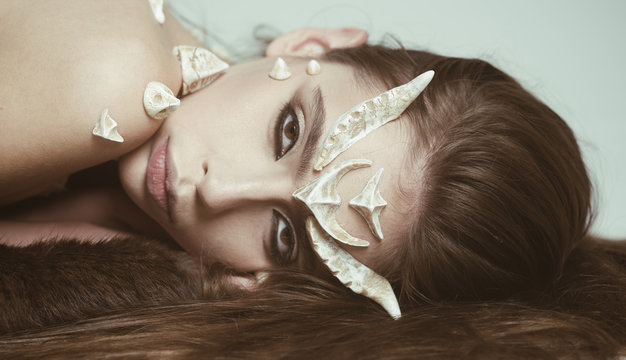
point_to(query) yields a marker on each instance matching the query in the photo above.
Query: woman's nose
(225, 186)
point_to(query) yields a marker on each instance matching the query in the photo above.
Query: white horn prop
(354, 275)
(367, 116)
(157, 10)
(199, 67)
(280, 70)
(107, 128)
(159, 101)
(369, 203)
(321, 197)
(313, 67)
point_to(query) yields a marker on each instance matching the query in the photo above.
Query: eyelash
(287, 118)
(281, 258)
(286, 113)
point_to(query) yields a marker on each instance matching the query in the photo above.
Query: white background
(572, 54)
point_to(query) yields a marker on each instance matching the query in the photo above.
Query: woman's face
(219, 174)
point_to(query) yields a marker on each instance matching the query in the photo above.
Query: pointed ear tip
(353, 29)
(361, 36)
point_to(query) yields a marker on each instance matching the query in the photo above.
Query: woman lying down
(333, 198)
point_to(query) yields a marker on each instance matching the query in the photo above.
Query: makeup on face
(239, 149)
(199, 68)
(159, 176)
(321, 197)
(352, 273)
(368, 116)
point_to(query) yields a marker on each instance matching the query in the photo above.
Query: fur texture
(66, 280)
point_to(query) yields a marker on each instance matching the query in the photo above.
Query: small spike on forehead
(280, 70)
(313, 67)
(368, 116)
(354, 275)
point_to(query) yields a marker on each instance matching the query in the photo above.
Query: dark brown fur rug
(56, 282)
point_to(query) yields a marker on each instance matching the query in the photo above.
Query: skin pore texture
(230, 175)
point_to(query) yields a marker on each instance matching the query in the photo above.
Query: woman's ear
(315, 41)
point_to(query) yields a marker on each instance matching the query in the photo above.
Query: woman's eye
(287, 131)
(284, 240)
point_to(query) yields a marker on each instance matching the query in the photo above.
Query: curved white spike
(107, 128)
(199, 67)
(280, 71)
(321, 197)
(354, 275)
(369, 203)
(157, 10)
(159, 101)
(367, 116)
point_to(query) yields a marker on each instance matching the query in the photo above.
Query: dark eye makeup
(286, 134)
(286, 131)
(284, 240)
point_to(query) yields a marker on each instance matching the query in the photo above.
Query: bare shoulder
(63, 62)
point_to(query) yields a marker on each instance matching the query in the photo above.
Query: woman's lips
(160, 176)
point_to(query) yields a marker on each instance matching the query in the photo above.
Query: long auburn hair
(497, 263)
(504, 197)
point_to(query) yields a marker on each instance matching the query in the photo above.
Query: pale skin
(229, 184)
(72, 53)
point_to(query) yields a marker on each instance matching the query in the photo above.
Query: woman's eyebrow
(316, 126)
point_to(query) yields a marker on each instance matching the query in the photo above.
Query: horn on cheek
(353, 274)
